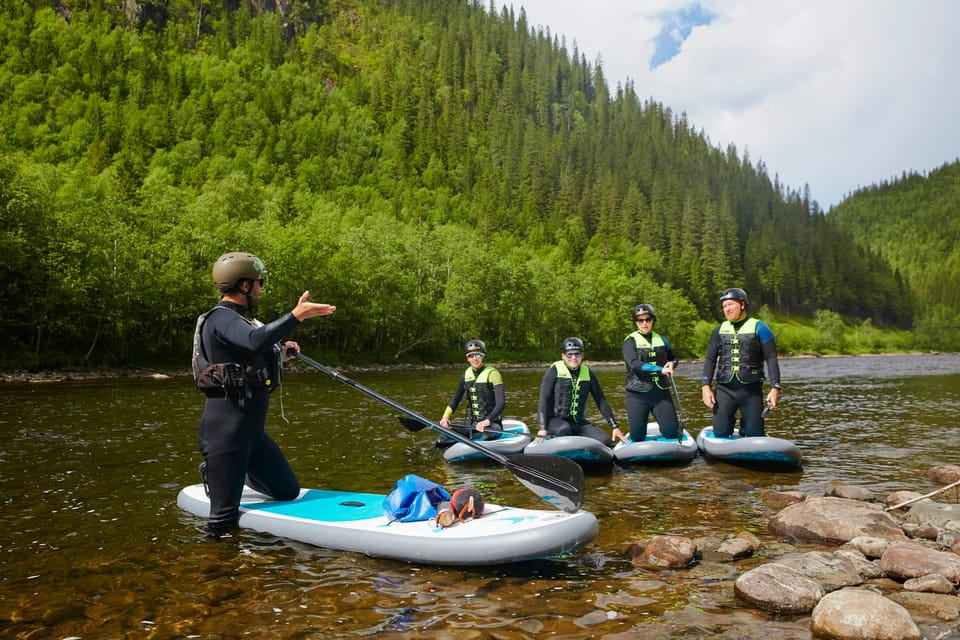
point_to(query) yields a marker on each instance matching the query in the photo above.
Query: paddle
(413, 425)
(556, 480)
(683, 421)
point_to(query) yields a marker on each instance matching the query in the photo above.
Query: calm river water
(94, 546)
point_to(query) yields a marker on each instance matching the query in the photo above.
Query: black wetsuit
(235, 446)
(563, 403)
(737, 353)
(644, 357)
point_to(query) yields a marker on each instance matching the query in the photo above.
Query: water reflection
(94, 546)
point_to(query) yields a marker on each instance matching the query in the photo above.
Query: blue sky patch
(676, 27)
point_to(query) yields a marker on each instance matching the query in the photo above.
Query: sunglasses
(645, 320)
(573, 354)
(475, 355)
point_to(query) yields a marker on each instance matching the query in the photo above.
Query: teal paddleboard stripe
(326, 506)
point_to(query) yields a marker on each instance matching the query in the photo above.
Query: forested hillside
(913, 223)
(436, 170)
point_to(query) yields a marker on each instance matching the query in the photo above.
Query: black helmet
(734, 294)
(231, 268)
(644, 308)
(573, 344)
(475, 346)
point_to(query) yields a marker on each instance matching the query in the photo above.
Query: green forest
(437, 169)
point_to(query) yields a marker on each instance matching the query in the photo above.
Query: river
(94, 546)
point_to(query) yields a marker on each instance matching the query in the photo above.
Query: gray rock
(778, 588)
(935, 513)
(931, 583)
(944, 474)
(855, 614)
(830, 570)
(850, 492)
(869, 546)
(835, 520)
(932, 605)
(911, 560)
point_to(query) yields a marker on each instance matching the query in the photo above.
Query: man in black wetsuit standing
(237, 363)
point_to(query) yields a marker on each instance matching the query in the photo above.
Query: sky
(834, 95)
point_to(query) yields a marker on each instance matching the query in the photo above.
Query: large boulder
(859, 614)
(835, 520)
(904, 561)
(778, 588)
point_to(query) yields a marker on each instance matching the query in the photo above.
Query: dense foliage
(435, 169)
(913, 223)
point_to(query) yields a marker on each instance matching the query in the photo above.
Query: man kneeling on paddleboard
(237, 363)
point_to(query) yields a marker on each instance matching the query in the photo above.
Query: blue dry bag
(413, 498)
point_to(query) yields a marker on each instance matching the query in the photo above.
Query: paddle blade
(558, 481)
(410, 424)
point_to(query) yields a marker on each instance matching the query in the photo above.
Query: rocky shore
(894, 573)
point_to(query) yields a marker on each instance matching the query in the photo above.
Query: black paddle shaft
(676, 395)
(557, 480)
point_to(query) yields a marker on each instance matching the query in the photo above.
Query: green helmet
(231, 268)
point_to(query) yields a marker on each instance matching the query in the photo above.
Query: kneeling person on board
(483, 385)
(563, 399)
(237, 364)
(649, 358)
(737, 352)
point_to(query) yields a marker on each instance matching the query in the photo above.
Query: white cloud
(837, 95)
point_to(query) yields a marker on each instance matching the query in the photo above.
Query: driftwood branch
(918, 498)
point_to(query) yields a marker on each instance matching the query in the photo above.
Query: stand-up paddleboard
(656, 448)
(516, 438)
(758, 451)
(581, 449)
(349, 521)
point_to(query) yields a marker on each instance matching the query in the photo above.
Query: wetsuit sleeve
(768, 345)
(241, 333)
(545, 405)
(605, 409)
(710, 359)
(499, 397)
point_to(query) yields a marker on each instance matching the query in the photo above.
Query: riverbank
(75, 374)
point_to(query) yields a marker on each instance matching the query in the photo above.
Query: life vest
(569, 396)
(740, 354)
(648, 350)
(480, 392)
(222, 379)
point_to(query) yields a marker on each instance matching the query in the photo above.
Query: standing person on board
(563, 398)
(483, 385)
(237, 363)
(736, 353)
(649, 359)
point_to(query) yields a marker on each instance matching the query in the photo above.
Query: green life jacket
(648, 350)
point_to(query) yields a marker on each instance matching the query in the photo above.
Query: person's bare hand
(306, 309)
